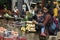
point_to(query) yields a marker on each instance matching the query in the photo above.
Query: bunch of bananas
(23, 29)
(30, 26)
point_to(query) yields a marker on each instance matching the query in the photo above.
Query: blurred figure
(24, 10)
(16, 12)
(39, 6)
(59, 12)
(55, 11)
(45, 10)
(59, 17)
(48, 20)
(38, 20)
(48, 5)
(32, 11)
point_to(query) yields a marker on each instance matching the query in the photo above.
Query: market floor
(35, 36)
(30, 36)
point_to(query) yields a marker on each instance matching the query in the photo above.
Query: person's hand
(35, 22)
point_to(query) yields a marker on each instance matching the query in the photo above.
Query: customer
(59, 17)
(39, 6)
(55, 11)
(38, 20)
(48, 20)
(48, 5)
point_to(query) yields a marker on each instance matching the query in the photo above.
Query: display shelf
(8, 22)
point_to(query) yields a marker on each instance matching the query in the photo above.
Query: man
(38, 20)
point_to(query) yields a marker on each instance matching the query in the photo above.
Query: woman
(48, 20)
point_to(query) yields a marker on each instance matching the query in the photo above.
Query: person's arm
(34, 19)
(35, 22)
(47, 18)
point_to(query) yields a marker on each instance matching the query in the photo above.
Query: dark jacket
(40, 20)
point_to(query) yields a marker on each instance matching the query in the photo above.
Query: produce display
(7, 15)
(9, 26)
(29, 26)
(5, 31)
(9, 30)
(23, 29)
(2, 30)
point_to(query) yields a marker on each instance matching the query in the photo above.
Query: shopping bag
(53, 26)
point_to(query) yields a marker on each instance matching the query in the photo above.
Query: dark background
(8, 4)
